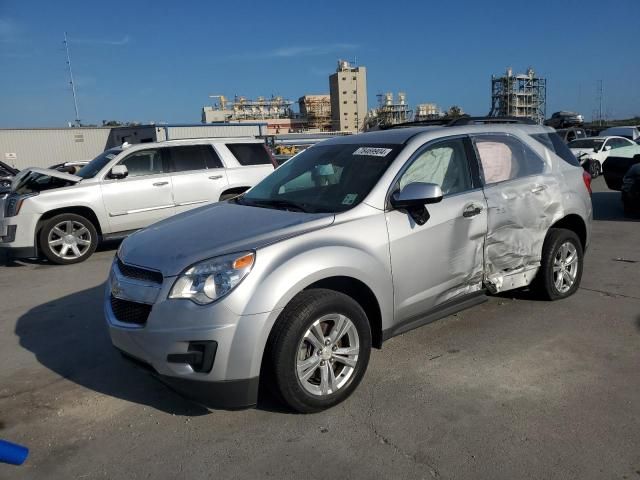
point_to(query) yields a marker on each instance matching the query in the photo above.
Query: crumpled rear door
(524, 200)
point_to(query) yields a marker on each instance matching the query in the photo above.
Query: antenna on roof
(73, 86)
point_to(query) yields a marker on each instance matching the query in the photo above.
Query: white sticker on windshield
(349, 198)
(372, 151)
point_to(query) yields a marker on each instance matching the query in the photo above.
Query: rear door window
(186, 158)
(503, 158)
(250, 153)
(553, 142)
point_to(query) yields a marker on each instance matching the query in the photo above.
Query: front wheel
(595, 168)
(68, 238)
(561, 265)
(319, 350)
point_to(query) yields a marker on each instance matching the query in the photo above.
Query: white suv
(122, 190)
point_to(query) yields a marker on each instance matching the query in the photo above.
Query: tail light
(587, 180)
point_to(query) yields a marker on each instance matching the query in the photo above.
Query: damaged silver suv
(355, 240)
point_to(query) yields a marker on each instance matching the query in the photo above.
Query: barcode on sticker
(372, 151)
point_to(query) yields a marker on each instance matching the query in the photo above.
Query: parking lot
(514, 388)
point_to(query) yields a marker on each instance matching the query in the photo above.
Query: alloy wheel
(69, 239)
(327, 355)
(565, 267)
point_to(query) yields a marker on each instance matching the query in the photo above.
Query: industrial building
(316, 109)
(348, 90)
(275, 111)
(43, 147)
(427, 111)
(521, 95)
(390, 111)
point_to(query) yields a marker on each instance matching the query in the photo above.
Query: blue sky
(159, 61)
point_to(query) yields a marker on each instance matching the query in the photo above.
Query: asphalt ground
(514, 388)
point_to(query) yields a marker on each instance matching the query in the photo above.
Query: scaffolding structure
(390, 111)
(317, 110)
(522, 96)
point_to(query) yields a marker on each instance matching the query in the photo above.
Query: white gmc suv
(123, 189)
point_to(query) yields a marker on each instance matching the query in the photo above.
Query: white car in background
(597, 149)
(64, 216)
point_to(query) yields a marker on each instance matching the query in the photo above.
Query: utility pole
(73, 86)
(600, 97)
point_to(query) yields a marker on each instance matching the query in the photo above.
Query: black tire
(86, 250)
(594, 168)
(286, 336)
(544, 284)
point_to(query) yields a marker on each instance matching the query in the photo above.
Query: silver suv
(63, 216)
(353, 241)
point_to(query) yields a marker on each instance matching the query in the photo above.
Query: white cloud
(311, 50)
(101, 41)
(296, 51)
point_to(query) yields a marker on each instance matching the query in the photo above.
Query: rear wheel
(319, 350)
(68, 238)
(561, 265)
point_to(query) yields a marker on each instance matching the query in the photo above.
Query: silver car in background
(353, 241)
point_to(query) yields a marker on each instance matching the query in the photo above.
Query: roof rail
(467, 120)
(418, 123)
(464, 120)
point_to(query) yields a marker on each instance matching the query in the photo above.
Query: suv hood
(21, 178)
(51, 173)
(178, 242)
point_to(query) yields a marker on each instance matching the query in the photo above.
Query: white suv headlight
(209, 280)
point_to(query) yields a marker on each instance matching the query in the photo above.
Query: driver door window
(144, 162)
(444, 164)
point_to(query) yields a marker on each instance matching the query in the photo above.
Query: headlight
(14, 203)
(207, 281)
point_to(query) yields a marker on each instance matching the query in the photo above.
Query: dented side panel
(440, 260)
(520, 212)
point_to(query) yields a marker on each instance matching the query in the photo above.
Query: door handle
(538, 188)
(215, 177)
(471, 210)
(160, 184)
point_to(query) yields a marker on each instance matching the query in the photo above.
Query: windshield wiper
(268, 202)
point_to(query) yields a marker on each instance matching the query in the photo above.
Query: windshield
(323, 178)
(586, 143)
(92, 168)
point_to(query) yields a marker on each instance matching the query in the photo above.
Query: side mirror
(413, 198)
(607, 148)
(118, 172)
(417, 194)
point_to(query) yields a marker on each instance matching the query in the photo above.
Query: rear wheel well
(85, 212)
(576, 225)
(233, 192)
(362, 294)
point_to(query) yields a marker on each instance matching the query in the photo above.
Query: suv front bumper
(17, 235)
(171, 329)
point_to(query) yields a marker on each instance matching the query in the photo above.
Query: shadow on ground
(607, 206)
(69, 336)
